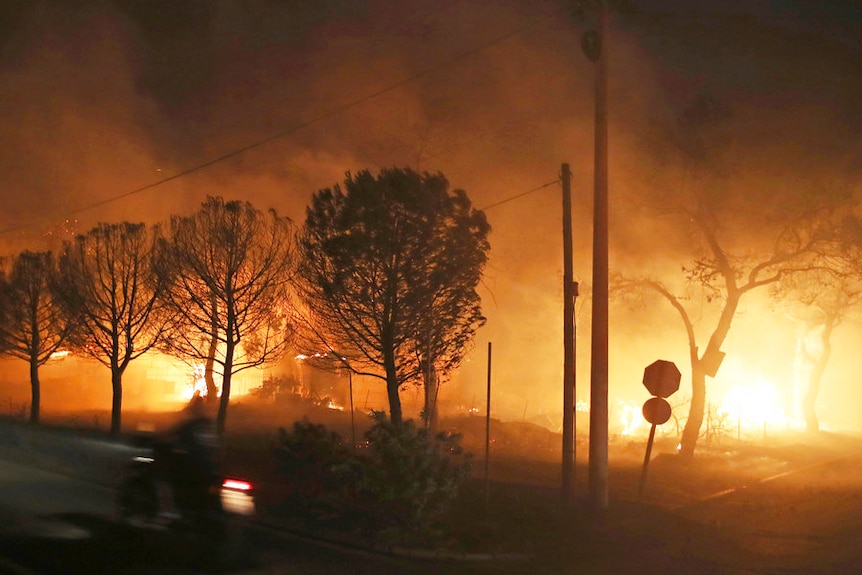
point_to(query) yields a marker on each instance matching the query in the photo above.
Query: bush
(408, 477)
(314, 463)
(273, 388)
(400, 482)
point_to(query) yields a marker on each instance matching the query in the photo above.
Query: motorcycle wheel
(137, 500)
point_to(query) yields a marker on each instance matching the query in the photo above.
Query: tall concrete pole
(569, 294)
(598, 465)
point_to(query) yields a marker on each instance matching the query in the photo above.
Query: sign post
(661, 378)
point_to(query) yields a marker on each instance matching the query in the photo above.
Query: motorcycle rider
(187, 458)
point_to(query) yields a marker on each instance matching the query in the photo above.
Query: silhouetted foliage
(228, 268)
(399, 482)
(314, 461)
(819, 300)
(108, 283)
(744, 238)
(34, 324)
(389, 267)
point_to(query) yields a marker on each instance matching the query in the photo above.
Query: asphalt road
(806, 520)
(53, 524)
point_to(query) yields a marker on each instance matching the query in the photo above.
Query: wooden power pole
(570, 292)
(595, 46)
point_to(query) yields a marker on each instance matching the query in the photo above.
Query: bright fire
(748, 408)
(754, 405)
(631, 419)
(197, 385)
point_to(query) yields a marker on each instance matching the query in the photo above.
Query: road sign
(656, 410)
(661, 378)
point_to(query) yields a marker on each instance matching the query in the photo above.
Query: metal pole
(568, 466)
(352, 421)
(599, 352)
(488, 435)
(642, 484)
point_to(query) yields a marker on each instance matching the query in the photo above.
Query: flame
(749, 407)
(303, 357)
(755, 405)
(198, 384)
(631, 419)
(60, 354)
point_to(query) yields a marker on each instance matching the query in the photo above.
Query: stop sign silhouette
(656, 410)
(661, 378)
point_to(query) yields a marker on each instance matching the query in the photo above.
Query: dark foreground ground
(787, 504)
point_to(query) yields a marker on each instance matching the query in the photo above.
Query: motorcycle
(208, 516)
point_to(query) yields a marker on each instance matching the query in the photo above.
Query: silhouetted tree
(742, 239)
(820, 300)
(389, 265)
(107, 281)
(34, 325)
(230, 267)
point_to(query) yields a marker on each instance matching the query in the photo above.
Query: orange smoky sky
(138, 109)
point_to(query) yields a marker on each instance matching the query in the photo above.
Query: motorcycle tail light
(236, 484)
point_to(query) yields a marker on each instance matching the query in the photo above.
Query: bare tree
(723, 280)
(820, 300)
(741, 239)
(107, 281)
(389, 266)
(230, 267)
(34, 325)
(824, 313)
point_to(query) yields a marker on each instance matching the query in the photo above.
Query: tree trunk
(212, 392)
(695, 413)
(35, 390)
(225, 388)
(223, 402)
(117, 400)
(392, 389)
(809, 398)
(432, 387)
(707, 364)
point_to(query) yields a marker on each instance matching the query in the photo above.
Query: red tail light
(236, 484)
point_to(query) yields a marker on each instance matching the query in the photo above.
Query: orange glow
(198, 384)
(755, 405)
(59, 355)
(631, 419)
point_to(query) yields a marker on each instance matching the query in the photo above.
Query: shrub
(400, 481)
(273, 388)
(409, 477)
(313, 461)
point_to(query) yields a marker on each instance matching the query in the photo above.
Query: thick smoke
(101, 100)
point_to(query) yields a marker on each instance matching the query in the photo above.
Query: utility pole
(595, 47)
(488, 437)
(570, 292)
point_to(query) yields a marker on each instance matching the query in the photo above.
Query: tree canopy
(107, 281)
(228, 268)
(743, 234)
(389, 266)
(34, 325)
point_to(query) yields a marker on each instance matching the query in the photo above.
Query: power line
(521, 195)
(296, 127)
